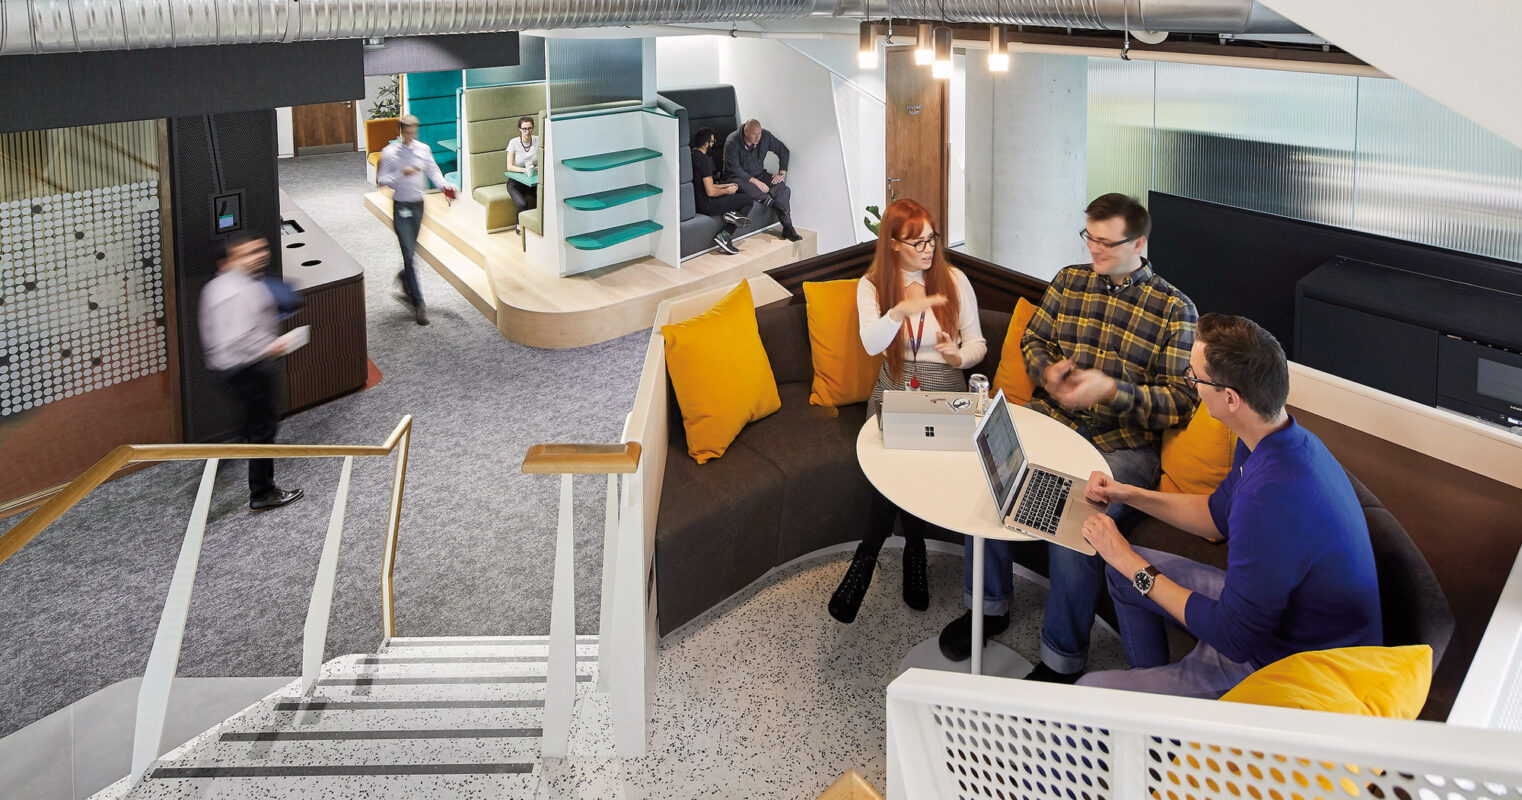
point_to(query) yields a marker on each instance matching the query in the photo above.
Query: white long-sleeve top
(878, 329)
(398, 156)
(238, 322)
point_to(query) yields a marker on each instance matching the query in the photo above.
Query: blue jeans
(1144, 633)
(407, 219)
(1075, 578)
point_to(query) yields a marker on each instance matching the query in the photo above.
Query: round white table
(948, 488)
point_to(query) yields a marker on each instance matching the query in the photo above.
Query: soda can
(978, 385)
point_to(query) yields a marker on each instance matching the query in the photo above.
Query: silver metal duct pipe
(1174, 16)
(51, 26)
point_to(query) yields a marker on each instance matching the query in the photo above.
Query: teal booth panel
(433, 84)
(432, 109)
(434, 132)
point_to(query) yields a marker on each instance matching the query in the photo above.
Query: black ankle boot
(853, 587)
(916, 586)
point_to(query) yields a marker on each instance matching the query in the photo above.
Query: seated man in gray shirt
(745, 164)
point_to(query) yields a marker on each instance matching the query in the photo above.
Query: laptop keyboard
(1041, 507)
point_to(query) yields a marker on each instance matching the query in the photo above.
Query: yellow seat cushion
(720, 372)
(374, 159)
(1011, 376)
(843, 372)
(1371, 681)
(1196, 457)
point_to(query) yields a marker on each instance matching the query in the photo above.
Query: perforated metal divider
(978, 738)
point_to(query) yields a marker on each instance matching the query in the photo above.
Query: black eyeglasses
(1191, 379)
(920, 245)
(1084, 235)
(526, 128)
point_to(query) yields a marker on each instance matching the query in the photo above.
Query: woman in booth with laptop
(921, 313)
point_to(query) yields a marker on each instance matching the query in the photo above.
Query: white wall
(285, 136)
(830, 114)
(684, 61)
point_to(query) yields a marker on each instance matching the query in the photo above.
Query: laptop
(1043, 503)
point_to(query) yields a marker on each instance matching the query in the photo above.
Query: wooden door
(916, 134)
(324, 128)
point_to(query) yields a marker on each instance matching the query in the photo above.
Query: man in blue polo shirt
(1299, 567)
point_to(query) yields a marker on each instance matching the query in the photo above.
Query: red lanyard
(914, 346)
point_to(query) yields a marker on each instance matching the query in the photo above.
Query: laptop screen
(999, 448)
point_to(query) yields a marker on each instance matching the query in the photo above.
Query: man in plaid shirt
(1107, 349)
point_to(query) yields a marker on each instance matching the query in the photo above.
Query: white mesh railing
(1491, 696)
(961, 737)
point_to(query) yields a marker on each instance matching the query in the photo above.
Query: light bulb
(941, 65)
(866, 53)
(998, 49)
(941, 69)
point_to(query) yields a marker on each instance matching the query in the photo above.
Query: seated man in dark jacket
(745, 164)
(1299, 566)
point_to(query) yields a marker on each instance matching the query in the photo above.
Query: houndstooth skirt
(934, 376)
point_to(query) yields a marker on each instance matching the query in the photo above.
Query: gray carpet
(82, 601)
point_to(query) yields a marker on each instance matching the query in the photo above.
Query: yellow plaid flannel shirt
(1138, 333)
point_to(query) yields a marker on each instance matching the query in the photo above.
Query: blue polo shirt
(1299, 567)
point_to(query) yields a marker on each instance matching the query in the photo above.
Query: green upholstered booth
(431, 98)
(490, 117)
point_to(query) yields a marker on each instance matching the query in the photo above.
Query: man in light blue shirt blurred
(406, 167)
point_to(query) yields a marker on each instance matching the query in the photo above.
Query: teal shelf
(604, 161)
(450, 144)
(597, 201)
(607, 237)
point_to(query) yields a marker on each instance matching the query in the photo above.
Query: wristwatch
(1144, 579)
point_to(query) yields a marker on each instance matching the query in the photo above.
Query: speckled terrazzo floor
(766, 696)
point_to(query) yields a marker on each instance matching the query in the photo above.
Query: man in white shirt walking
(406, 167)
(238, 332)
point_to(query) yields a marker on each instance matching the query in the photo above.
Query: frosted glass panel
(1120, 127)
(1430, 175)
(584, 72)
(1280, 142)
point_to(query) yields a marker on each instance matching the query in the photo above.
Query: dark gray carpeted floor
(80, 604)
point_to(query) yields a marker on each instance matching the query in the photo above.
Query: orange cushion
(1011, 377)
(1372, 681)
(1197, 457)
(843, 372)
(720, 373)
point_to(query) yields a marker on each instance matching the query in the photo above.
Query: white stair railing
(163, 659)
(567, 461)
(953, 736)
(1491, 696)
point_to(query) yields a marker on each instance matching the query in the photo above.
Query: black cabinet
(1387, 354)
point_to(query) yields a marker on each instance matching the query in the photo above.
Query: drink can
(978, 385)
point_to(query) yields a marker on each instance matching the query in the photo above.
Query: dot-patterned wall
(81, 293)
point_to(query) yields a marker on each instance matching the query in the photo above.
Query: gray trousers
(781, 196)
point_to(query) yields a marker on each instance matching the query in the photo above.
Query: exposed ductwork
(53, 26)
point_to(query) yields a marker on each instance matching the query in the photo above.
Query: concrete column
(1024, 209)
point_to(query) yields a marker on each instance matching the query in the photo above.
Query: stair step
(470, 641)
(336, 770)
(506, 781)
(378, 751)
(387, 658)
(369, 715)
(428, 651)
(326, 704)
(306, 735)
(453, 669)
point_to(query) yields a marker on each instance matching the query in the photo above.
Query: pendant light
(998, 49)
(866, 53)
(941, 65)
(924, 50)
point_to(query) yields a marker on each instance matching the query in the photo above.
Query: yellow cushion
(720, 373)
(1011, 376)
(1372, 681)
(1197, 457)
(843, 372)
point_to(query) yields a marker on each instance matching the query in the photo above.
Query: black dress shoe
(275, 499)
(956, 637)
(853, 587)
(420, 314)
(791, 235)
(1044, 674)
(916, 586)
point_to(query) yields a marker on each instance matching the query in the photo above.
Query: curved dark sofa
(790, 485)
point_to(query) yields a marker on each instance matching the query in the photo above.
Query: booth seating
(431, 98)
(491, 116)
(705, 107)
(378, 134)
(790, 484)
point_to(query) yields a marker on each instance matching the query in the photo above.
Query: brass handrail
(76, 490)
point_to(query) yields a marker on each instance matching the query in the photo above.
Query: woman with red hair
(922, 314)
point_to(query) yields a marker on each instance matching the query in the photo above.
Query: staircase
(423, 717)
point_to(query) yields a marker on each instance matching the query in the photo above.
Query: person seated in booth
(1299, 564)
(523, 157)
(716, 199)
(1107, 349)
(930, 332)
(745, 164)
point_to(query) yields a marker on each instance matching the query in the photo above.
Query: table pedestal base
(998, 660)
